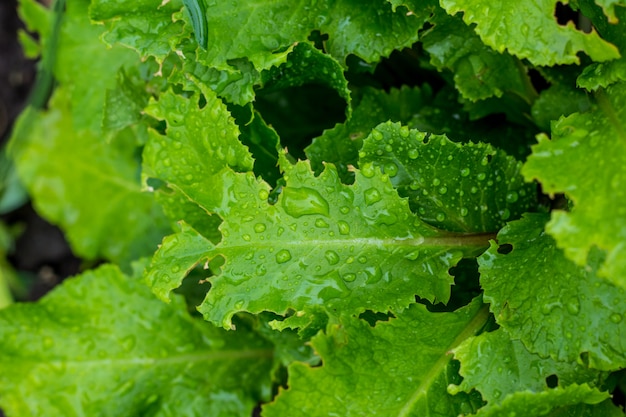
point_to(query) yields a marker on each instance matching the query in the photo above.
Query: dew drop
(261, 270)
(388, 148)
(239, 304)
(246, 237)
(332, 257)
(404, 131)
(321, 224)
(377, 135)
(413, 153)
(413, 255)
(372, 196)
(391, 169)
(259, 227)
(481, 176)
(616, 318)
(344, 228)
(299, 202)
(474, 190)
(440, 217)
(443, 190)
(414, 185)
(263, 195)
(362, 259)
(505, 214)
(465, 172)
(464, 211)
(512, 197)
(345, 210)
(350, 277)
(573, 305)
(367, 170)
(436, 182)
(283, 256)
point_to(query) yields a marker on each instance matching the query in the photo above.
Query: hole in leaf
(299, 114)
(372, 318)
(584, 358)
(538, 81)
(552, 381)
(564, 14)
(489, 158)
(202, 101)
(156, 184)
(505, 249)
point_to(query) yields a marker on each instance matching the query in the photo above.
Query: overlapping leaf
(468, 188)
(397, 368)
(479, 71)
(602, 74)
(530, 30)
(577, 400)
(88, 186)
(554, 306)
(103, 334)
(497, 366)
(586, 160)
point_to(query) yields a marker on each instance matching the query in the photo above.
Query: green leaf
(556, 101)
(144, 25)
(602, 74)
(198, 145)
(554, 306)
(470, 188)
(323, 245)
(497, 366)
(102, 334)
(87, 184)
(537, 35)
(340, 145)
(178, 254)
(570, 163)
(479, 71)
(400, 367)
(574, 400)
(307, 65)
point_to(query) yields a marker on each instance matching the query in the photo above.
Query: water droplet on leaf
(299, 202)
(283, 256)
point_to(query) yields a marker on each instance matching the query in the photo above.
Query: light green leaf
(144, 25)
(497, 366)
(574, 400)
(554, 306)
(198, 145)
(538, 37)
(602, 74)
(178, 254)
(326, 244)
(586, 160)
(400, 367)
(87, 184)
(102, 335)
(470, 188)
(479, 71)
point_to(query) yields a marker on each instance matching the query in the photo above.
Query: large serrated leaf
(103, 334)
(554, 306)
(470, 188)
(586, 160)
(538, 37)
(323, 245)
(401, 367)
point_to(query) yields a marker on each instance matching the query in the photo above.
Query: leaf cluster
(394, 208)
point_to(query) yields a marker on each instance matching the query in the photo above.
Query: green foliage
(364, 208)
